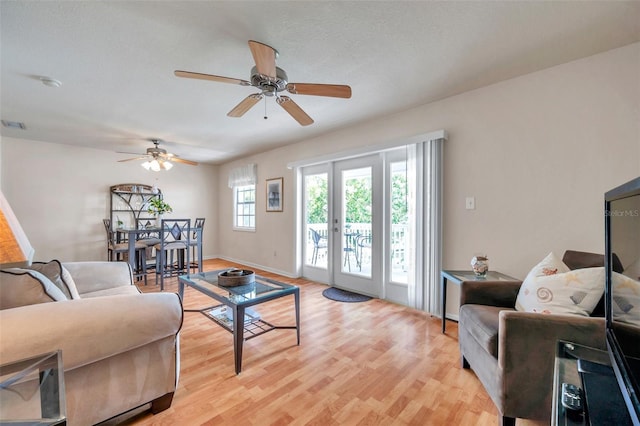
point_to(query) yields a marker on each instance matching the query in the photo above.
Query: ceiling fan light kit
(157, 165)
(271, 81)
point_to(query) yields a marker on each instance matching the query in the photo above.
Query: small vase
(480, 265)
(159, 221)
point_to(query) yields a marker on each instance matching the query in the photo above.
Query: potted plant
(158, 207)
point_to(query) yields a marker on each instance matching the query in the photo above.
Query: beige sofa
(120, 348)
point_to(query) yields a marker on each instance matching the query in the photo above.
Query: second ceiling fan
(271, 81)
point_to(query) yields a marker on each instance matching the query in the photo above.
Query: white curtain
(432, 224)
(245, 175)
(424, 178)
(414, 239)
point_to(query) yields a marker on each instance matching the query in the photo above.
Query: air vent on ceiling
(14, 124)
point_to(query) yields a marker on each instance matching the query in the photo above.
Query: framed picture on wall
(274, 194)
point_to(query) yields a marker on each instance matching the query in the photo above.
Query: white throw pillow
(22, 287)
(550, 265)
(626, 299)
(574, 292)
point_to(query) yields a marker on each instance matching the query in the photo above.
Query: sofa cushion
(21, 287)
(58, 275)
(574, 292)
(129, 289)
(582, 259)
(481, 322)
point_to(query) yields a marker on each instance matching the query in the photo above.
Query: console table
(457, 277)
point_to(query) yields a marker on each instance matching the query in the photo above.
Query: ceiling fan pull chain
(265, 108)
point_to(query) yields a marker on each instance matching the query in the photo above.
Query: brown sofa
(120, 348)
(512, 352)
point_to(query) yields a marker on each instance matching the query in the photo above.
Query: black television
(622, 291)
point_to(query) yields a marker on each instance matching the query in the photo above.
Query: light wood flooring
(371, 363)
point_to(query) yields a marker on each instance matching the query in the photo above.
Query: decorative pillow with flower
(552, 288)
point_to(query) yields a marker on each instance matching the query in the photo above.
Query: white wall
(60, 194)
(537, 152)
(272, 245)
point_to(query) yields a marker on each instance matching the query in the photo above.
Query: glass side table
(32, 391)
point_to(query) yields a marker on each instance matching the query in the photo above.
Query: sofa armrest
(90, 277)
(88, 330)
(491, 293)
(526, 354)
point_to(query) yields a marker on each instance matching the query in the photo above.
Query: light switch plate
(470, 203)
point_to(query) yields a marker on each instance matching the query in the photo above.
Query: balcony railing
(399, 242)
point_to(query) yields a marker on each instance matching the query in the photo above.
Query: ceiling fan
(158, 158)
(271, 81)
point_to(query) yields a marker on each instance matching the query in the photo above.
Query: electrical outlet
(470, 203)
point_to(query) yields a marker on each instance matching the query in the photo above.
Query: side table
(32, 391)
(457, 277)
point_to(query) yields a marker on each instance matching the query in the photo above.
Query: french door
(357, 225)
(355, 232)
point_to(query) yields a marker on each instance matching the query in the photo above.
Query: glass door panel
(356, 225)
(399, 238)
(316, 217)
(357, 196)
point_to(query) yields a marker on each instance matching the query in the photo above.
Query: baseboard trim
(453, 317)
(255, 265)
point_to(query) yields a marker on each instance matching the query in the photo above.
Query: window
(245, 207)
(243, 182)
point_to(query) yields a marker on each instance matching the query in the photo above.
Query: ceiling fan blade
(128, 152)
(294, 110)
(333, 90)
(173, 157)
(144, 157)
(183, 161)
(265, 58)
(210, 77)
(245, 105)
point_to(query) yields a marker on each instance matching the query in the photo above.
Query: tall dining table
(132, 235)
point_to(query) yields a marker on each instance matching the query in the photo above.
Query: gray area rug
(344, 296)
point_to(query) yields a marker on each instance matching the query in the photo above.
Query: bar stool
(172, 253)
(150, 239)
(119, 249)
(196, 244)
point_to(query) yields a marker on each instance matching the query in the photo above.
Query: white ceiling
(116, 59)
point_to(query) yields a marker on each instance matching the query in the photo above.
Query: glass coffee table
(235, 303)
